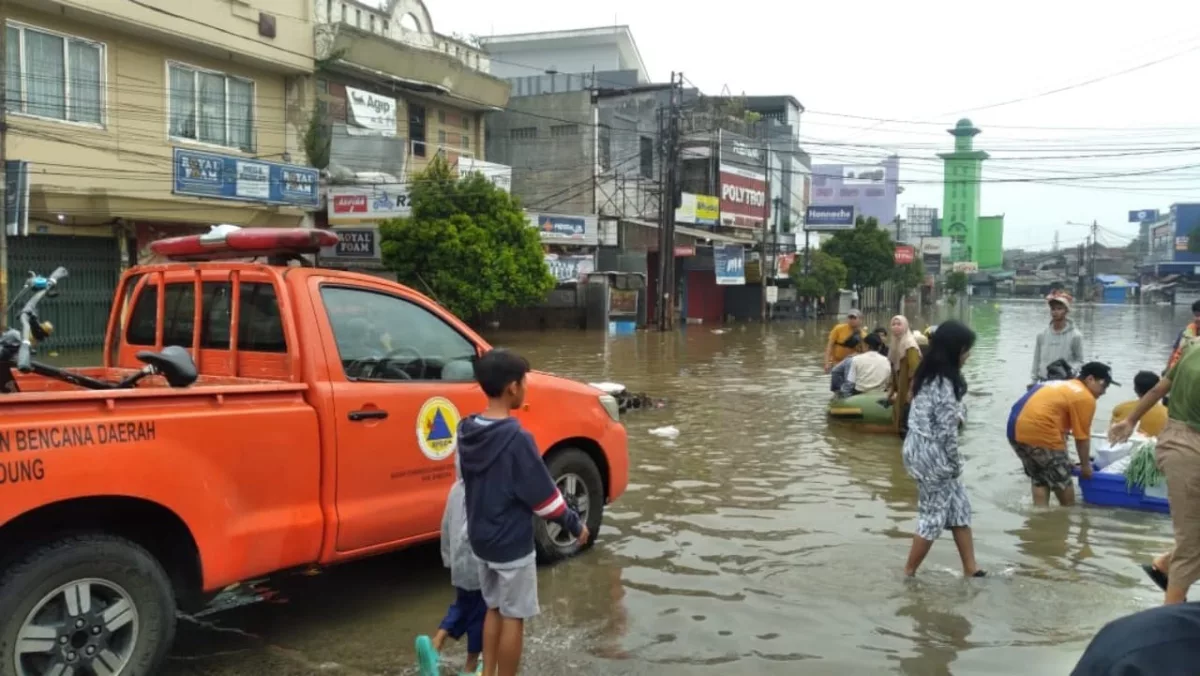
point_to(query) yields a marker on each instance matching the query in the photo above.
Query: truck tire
(579, 480)
(85, 600)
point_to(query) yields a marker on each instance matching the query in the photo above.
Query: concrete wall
(224, 29)
(123, 167)
(552, 167)
(522, 62)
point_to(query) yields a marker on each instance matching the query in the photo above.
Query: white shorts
(511, 590)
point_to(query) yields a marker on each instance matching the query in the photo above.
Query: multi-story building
(393, 94)
(132, 120)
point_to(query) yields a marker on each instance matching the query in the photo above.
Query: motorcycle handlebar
(29, 313)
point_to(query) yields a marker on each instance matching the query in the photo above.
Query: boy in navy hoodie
(506, 484)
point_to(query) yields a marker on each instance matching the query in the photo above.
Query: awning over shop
(692, 232)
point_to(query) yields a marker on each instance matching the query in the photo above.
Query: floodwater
(763, 540)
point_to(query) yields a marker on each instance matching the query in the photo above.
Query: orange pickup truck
(320, 427)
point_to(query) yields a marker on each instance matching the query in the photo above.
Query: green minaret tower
(961, 188)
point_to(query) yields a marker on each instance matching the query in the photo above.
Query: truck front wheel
(88, 604)
(579, 481)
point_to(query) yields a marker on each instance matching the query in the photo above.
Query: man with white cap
(1060, 341)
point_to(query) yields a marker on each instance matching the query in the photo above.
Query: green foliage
(826, 275)
(467, 244)
(867, 252)
(317, 138)
(956, 282)
(909, 277)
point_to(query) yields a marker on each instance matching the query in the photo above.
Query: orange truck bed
(322, 428)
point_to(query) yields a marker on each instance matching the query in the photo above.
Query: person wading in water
(1060, 340)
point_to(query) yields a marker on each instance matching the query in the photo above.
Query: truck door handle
(368, 414)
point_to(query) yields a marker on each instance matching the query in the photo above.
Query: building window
(372, 20)
(211, 107)
(466, 142)
(385, 26)
(54, 76)
(416, 129)
(523, 133)
(329, 10)
(441, 117)
(560, 130)
(358, 18)
(344, 10)
(647, 157)
(466, 122)
(441, 139)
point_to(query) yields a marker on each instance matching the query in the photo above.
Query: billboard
(564, 229)
(904, 254)
(743, 197)
(921, 221)
(1143, 215)
(367, 203)
(829, 218)
(729, 264)
(870, 198)
(698, 209)
(874, 174)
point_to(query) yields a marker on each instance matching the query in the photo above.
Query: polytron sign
(743, 197)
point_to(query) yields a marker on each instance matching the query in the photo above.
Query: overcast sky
(925, 64)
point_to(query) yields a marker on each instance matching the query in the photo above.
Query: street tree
(910, 276)
(867, 252)
(826, 276)
(956, 282)
(467, 244)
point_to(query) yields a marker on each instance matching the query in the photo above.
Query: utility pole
(1092, 271)
(666, 247)
(4, 157)
(762, 259)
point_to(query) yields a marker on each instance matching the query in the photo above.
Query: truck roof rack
(278, 245)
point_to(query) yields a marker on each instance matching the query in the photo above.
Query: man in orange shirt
(1040, 421)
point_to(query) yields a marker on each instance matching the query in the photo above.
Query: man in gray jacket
(1060, 340)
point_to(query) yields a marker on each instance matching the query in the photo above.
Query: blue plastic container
(1108, 490)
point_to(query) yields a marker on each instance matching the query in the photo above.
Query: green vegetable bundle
(1143, 470)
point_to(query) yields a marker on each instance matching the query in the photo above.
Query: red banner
(743, 198)
(904, 254)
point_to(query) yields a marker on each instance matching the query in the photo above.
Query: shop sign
(16, 197)
(872, 174)
(370, 114)
(698, 209)
(903, 254)
(562, 229)
(821, 218)
(568, 268)
(729, 264)
(743, 197)
(968, 267)
(685, 251)
(622, 303)
(932, 263)
(1181, 243)
(202, 174)
(935, 245)
(368, 203)
(499, 174)
(355, 245)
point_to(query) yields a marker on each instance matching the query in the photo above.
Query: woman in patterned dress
(931, 454)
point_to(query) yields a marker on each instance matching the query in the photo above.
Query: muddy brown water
(763, 540)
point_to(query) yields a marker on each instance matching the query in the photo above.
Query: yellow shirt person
(845, 339)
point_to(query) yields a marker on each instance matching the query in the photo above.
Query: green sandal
(427, 656)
